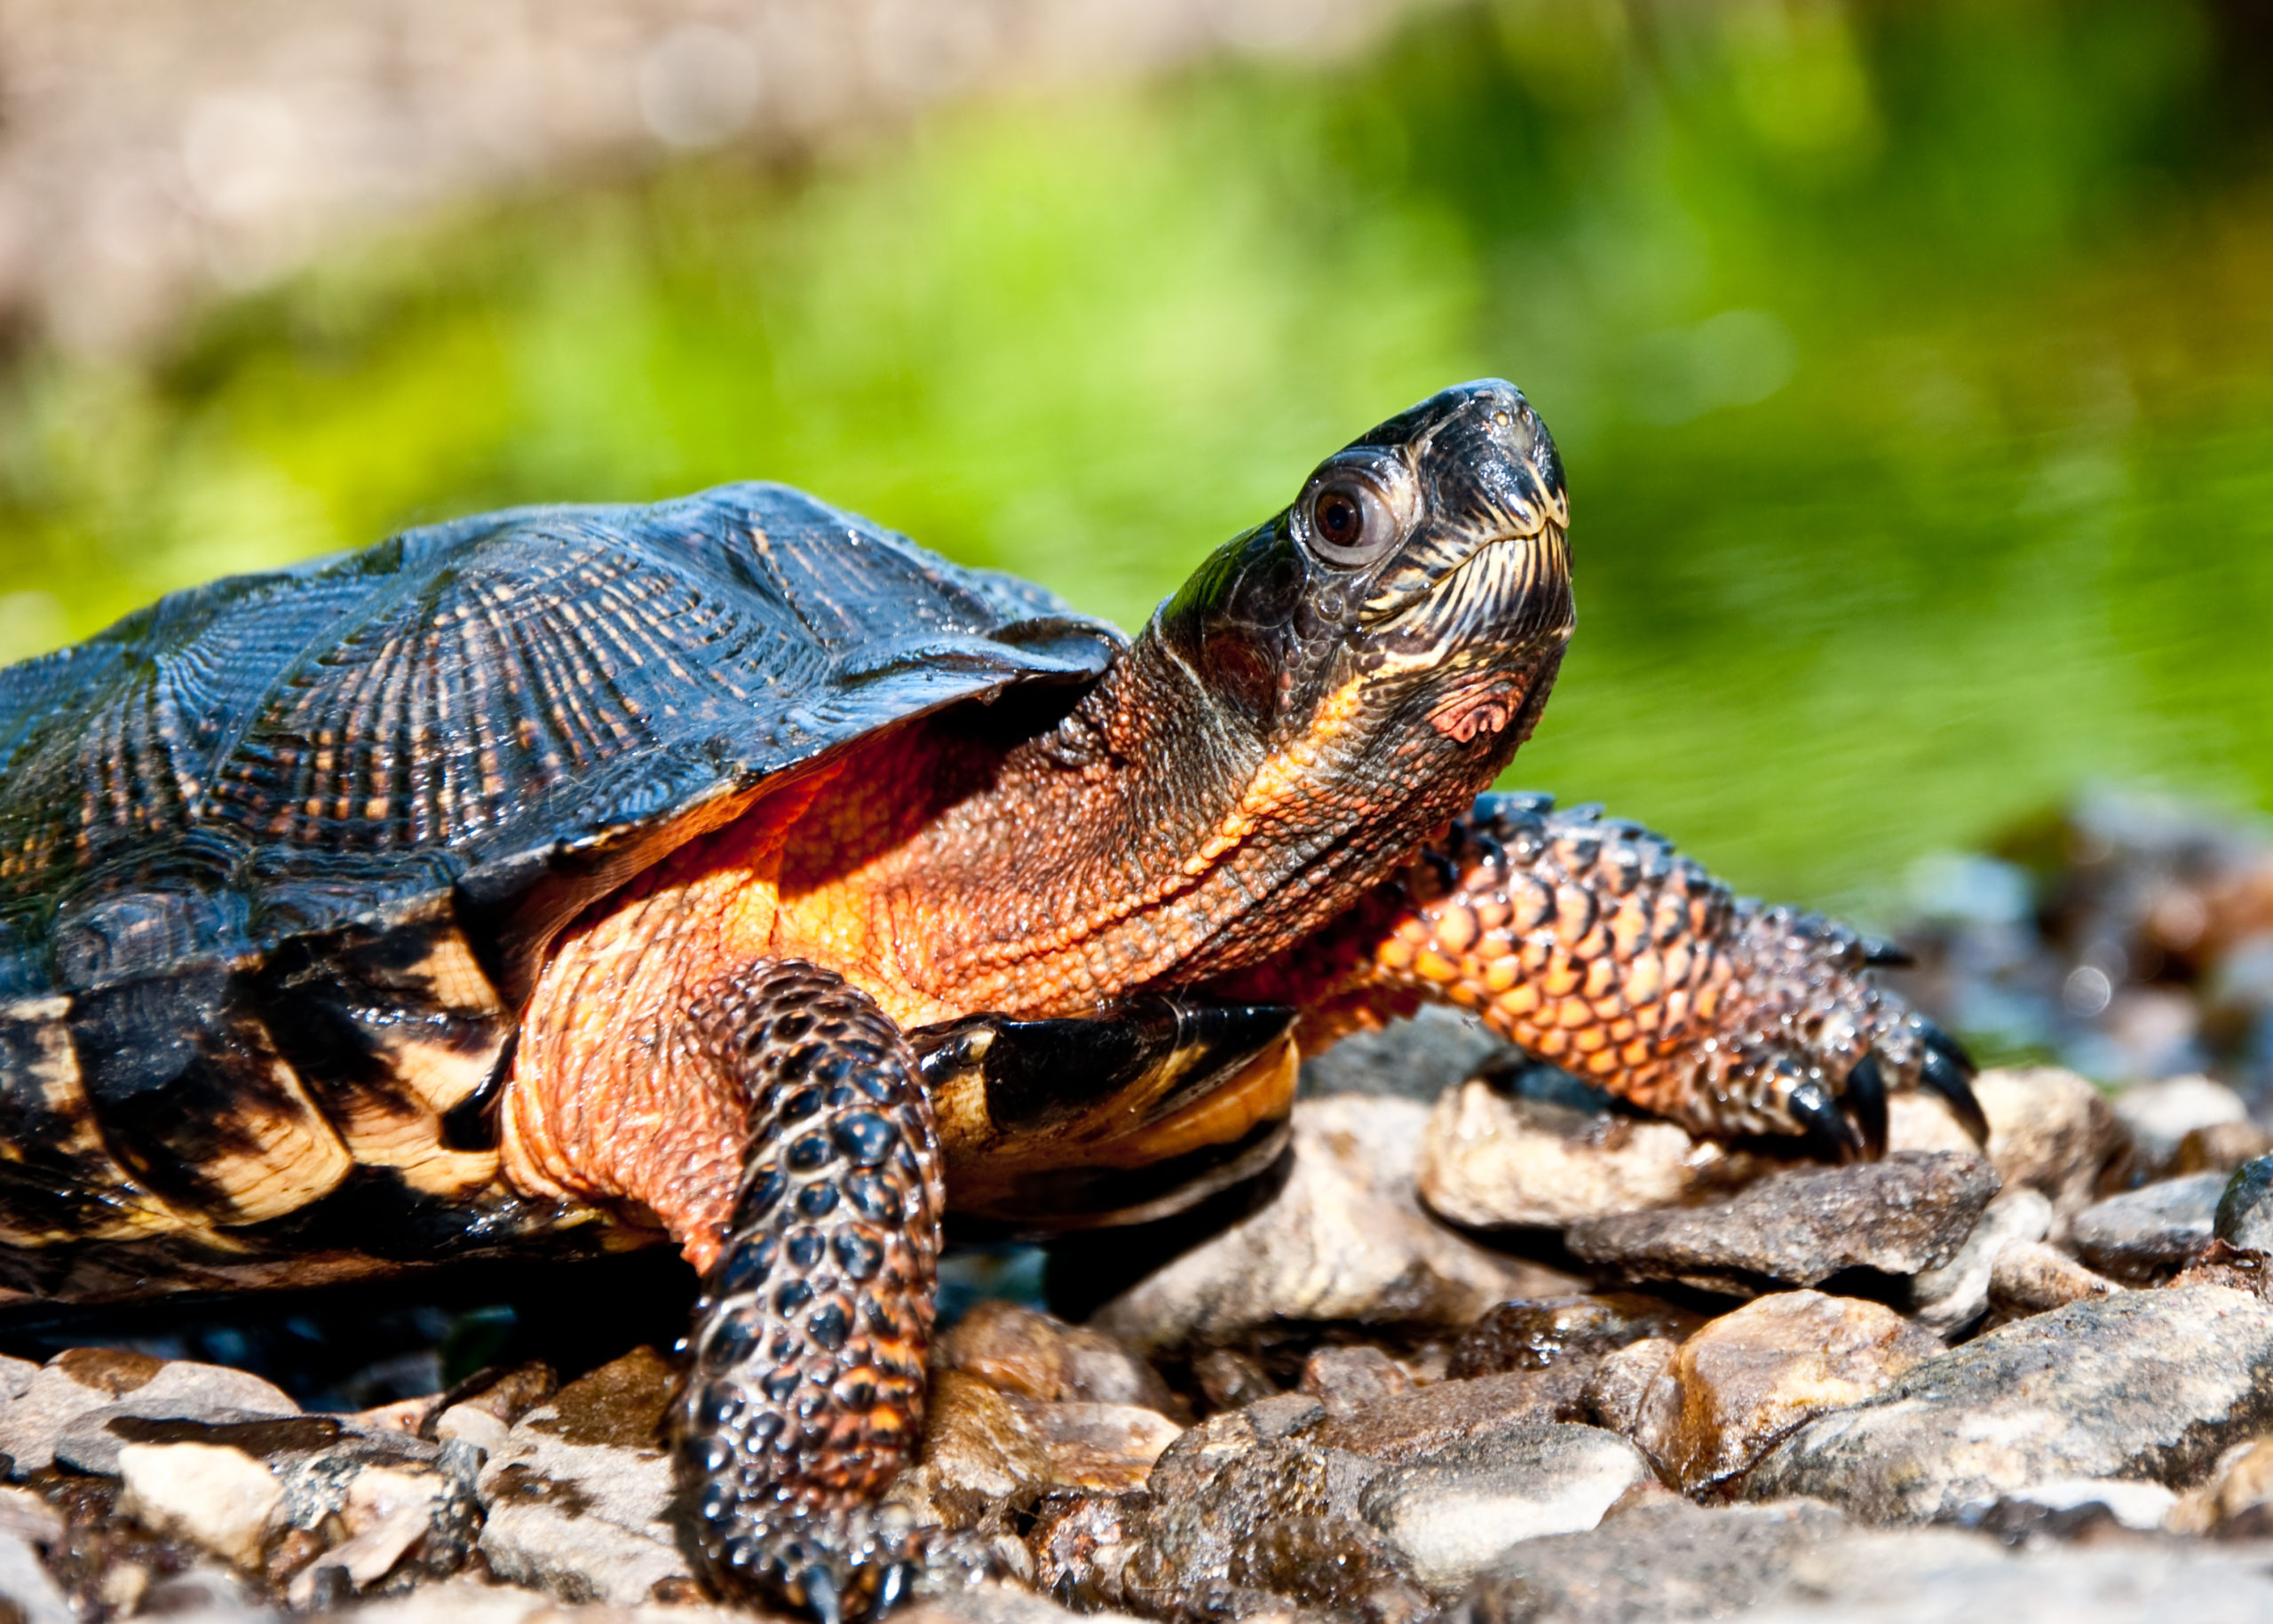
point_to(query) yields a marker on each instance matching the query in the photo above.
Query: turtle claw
(1864, 1096)
(1824, 1128)
(1946, 1069)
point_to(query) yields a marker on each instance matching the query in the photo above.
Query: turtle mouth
(1510, 595)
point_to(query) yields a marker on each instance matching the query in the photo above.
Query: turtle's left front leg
(1588, 942)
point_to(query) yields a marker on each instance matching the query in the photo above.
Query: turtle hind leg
(806, 1392)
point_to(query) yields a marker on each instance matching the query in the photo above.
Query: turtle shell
(279, 855)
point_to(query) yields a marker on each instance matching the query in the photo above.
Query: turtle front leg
(1588, 942)
(781, 1133)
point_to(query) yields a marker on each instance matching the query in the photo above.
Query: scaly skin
(1588, 942)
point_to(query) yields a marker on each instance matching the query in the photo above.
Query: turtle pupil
(1339, 519)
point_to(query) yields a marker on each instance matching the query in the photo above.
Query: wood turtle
(734, 873)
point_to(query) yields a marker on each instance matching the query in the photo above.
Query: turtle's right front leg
(819, 1245)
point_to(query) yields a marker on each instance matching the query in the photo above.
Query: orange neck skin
(1145, 838)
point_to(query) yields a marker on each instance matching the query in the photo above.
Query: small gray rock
(1901, 1215)
(2133, 1582)
(2030, 1276)
(74, 1384)
(2143, 1234)
(2244, 1214)
(2143, 1384)
(2049, 1130)
(1452, 1515)
(1951, 1297)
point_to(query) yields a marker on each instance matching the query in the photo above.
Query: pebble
(2235, 1501)
(580, 1497)
(75, 1385)
(1431, 1420)
(1489, 1161)
(2244, 1212)
(1345, 1380)
(1533, 1335)
(1907, 1214)
(217, 1498)
(1416, 1059)
(1949, 1299)
(2150, 1385)
(2050, 1130)
(2145, 1233)
(2031, 1278)
(1617, 1388)
(2139, 1506)
(2159, 1116)
(1748, 1378)
(2219, 1148)
(1344, 1241)
(1451, 1515)
(26, 1588)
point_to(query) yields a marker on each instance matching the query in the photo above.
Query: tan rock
(1748, 1378)
(2235, 1501)
(1617, 1387)
(1347, 1380)
(2031, 1277)
(1107, 1447)
(220, 1499)
(1490, 1160)
(978, 1438)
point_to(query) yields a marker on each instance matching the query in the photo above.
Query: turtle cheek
(1241, 672)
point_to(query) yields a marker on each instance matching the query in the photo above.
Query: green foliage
(1912, 367)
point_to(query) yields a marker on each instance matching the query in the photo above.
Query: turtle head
(1405, 615)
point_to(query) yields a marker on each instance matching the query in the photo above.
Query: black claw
(1826, 1132)
(1865, 1101)
(1947, 1071)
(892, 1589)
(1878, 952)
(819, 1587)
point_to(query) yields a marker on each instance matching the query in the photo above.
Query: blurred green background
(1912, 365)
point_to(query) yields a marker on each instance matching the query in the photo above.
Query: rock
(1907, 1214)
(2049, 1130)
(1016, 1350)
(79, 1383)
(1533, 1335)
(1666, 1560)
(2032, 1277)
(2245, 1213)
(1417, 1425)
(1273, 1527)
(2151, 1232)
(2219, 1148)
(1415, 1060)
(978, 1440)
(1951, 1297)
(1344, 1239)
(2237, 1268)
(1230, 1379)
(2159, 1116)
(1284, 1416)
(1617, 1387)
(1082, 1542)
(1453, 1513)
(25, 1586)
(2140, 1506)
(2235, 1501)
(386, 1513)
(15, 1377)
(1345, 1380)
(1488, 1161)
(580, 1497)
(1107, 1447)
(25, 1515)
(216, 1498)
(1748, 1378)
(2142, 1385)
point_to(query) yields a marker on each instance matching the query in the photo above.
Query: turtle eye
(1348, 521)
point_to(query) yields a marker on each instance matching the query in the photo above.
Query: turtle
(733, 873)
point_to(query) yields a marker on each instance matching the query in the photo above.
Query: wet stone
(1453, 1513)
(1533, 1335)
(2244, 1212)
(2147, 1233)
(2146, 1385)
(1750, 1377)
(1901, 1215)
